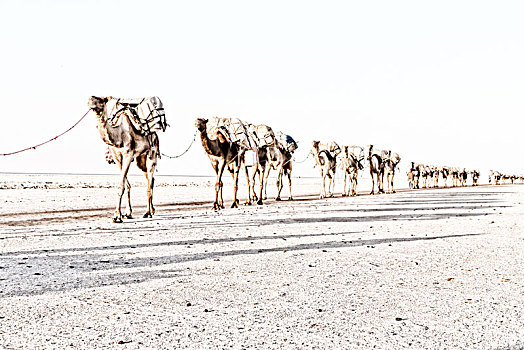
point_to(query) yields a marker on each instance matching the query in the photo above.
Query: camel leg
(322, 182)
(266, 177)
(332, 186)
(372, 182)
(279, 184)
(289, 181)
(261, 175)
(235, 187)
(253, 183)
(344, 188)
(392, 188)
(380, 183)
(218, 184)
(151, 165)
(249, 197)
(128, 213)
(126, 162)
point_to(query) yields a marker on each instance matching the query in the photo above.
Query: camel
(455, 176)
(414, 176)
(127, 144)
(376, 160)
(445, 172)
(222, 153)
(475, 174)
(351, 162)
(436, 175)
(266, 147)
(424, 173)
(463, 177)
(411, 175)
(390, 164)
(279, 157)
(328, 164)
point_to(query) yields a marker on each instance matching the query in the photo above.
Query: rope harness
(43, 143)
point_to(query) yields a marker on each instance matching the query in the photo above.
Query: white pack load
(248, 136)
(148, 112)
(331, 147)
(262, 134)
(383, 155)
(356, 151)
(286, 142)
(236, 129)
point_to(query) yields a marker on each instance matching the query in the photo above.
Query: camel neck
(207, 144)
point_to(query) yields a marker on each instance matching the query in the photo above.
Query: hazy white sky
(438, 82)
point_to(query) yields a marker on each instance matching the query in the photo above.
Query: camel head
(201, 124)
(315, 144)
(370, 151)
(395, 158)
(97, 104)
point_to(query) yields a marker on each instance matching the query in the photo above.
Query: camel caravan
(498, 178)
(350, 161)
(233, 144)
(428, 176)
(130, 127)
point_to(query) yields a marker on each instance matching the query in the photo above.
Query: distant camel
(280, 158)
(414, 176)
(376, 168)
(454, 172)
(351, 162)
(436, 175)
(463, 177)
(266, 146)
(424, 174)
(475, 174)
(222, 153)
(445, 173)
(127, 144)
(390, 164)
(328, 164)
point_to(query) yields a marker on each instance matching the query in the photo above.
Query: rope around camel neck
(43, 143)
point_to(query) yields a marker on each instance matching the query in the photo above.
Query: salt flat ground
(432, 269)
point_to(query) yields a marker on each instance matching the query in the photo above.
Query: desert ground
(426, 269)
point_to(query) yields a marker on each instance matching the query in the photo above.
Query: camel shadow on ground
(36, 272)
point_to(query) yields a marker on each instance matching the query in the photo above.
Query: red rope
(43, 143)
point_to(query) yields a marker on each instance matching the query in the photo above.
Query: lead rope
(181, 154)
(43, 143)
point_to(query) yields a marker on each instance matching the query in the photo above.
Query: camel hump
(148, 112)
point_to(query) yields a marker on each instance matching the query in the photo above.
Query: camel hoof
(117, 220)
(290, 198)
(278, 199)
(393, 191)
(148, 215)
(234, 205)
(259, 202)
(128, 216)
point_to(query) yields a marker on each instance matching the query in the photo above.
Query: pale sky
(439, 82)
